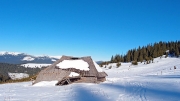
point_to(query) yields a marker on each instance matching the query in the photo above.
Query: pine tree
(144, 52)
(112, 59)
(122, 58)
(177, 52)
(117, 58)
(154, 53)
(136, 55)
(128, 57)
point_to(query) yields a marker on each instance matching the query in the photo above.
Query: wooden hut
(62, 73)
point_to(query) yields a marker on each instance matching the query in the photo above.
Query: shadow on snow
(155, 93)
(165, 76)
(83, 94)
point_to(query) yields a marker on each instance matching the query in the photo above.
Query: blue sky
(97, 28)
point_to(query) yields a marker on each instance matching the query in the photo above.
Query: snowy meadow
(158, 81)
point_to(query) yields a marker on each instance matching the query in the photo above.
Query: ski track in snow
(153, 82)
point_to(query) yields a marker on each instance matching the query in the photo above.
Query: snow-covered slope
(34, 65)
(15, 76)
(158, 81)
(28, 58)
(164, 66)
(46, 83)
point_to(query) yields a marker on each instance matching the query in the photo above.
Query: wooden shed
(92, 73)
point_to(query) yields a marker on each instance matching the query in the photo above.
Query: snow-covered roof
(78, 64)
(97, 67)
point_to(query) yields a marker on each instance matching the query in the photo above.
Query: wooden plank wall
(50, 75)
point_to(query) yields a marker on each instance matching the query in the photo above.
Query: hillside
(158, 81)
(6, 69)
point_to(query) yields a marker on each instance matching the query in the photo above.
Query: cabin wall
(50, 75)
(88, 79)
(101, 79)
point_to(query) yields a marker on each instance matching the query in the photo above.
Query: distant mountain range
(22, 58)
(99, 62)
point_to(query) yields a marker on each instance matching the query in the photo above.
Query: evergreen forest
(149, 52)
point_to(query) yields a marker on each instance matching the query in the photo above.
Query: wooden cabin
(61, 73)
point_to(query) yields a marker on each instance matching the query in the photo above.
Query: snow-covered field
(158, 81)
(34, 65)
(15, 76)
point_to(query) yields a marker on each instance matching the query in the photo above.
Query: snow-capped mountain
(22, 58)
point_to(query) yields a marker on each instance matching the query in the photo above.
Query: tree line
(149, 52)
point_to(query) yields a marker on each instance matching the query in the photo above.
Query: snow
(28, 58)
(9, 53)
(34, 65)
(97, 67)
(73, 74)
(56, 57)
(158, 81)
(53, 60)
(78, 64)
(46, 83)
(15, 76)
